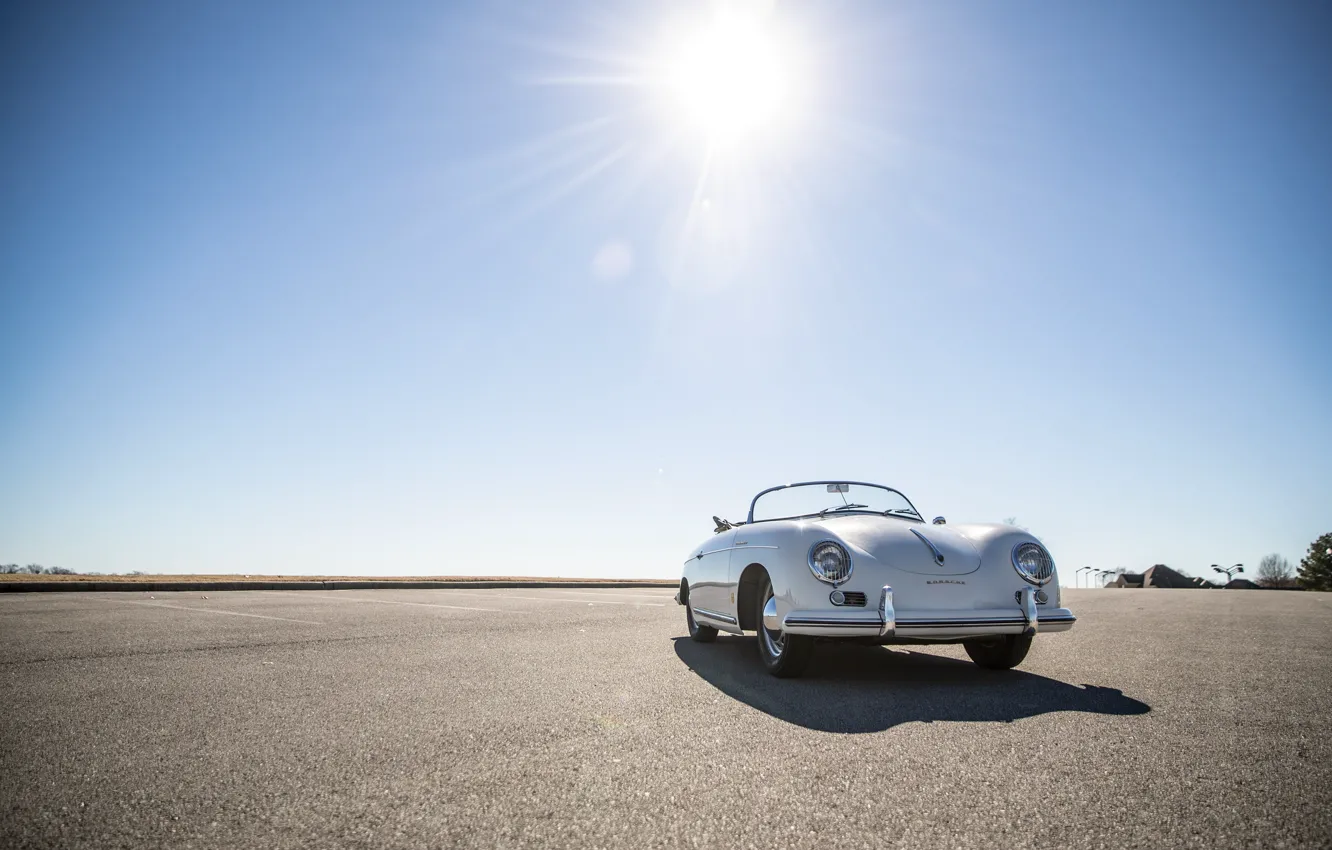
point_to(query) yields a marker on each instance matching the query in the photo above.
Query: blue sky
(426, 288)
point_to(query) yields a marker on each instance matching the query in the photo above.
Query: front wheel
(1003, 652)
(786, 656)
(702, 634)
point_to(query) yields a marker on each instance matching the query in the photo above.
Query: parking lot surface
(584, 718)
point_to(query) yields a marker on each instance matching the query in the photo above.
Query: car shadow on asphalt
(873, 688)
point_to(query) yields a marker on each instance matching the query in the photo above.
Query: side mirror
(940, 520)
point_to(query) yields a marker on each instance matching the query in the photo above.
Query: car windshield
(829, 497)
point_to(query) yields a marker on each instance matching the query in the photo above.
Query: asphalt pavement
(585, 718)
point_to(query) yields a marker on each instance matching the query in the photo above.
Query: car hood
(898, 543)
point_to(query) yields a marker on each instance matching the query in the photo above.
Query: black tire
(701, 634)
(786, 656)
(998, 653)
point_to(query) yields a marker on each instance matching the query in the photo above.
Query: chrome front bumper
(889, 623)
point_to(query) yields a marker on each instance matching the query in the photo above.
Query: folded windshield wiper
(841, 508)
(906, 511)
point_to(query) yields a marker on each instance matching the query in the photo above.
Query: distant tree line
(35, 569)
(1315, 571)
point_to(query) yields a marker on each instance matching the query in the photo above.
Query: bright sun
(732, 80)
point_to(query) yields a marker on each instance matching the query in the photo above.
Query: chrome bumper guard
(887, 616)
(1027, 599)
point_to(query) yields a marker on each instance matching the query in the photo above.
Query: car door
(709, 590)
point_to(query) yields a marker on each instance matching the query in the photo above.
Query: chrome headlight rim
(1036, 578)
(822, 576)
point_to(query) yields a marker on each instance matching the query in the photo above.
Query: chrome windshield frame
(754, 501)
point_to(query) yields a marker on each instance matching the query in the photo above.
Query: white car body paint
(975, 592)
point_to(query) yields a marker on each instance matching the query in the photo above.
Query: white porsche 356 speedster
(846, 559)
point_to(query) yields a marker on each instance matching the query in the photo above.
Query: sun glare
(731, 80)
(719, 102)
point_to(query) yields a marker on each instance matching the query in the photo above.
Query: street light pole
(1228, 572)
(1077, 576)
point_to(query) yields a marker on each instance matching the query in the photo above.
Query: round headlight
(1033, 563)
(830, 562)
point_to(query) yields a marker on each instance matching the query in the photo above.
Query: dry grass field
(27, 577)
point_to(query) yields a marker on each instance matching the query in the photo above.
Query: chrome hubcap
(773, 640)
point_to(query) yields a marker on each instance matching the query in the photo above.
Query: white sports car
(846, 559)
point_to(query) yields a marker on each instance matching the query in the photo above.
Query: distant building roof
(1162, 576)
(1241, 584)
(1158, 576)
(1127, 580)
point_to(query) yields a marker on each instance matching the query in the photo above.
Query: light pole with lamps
(1228, 572)
(1077, 576)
